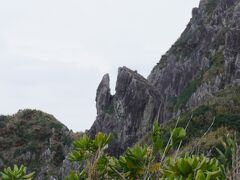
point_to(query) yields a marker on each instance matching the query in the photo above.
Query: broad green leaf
(177, 135)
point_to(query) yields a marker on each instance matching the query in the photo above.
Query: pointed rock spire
(103, 97)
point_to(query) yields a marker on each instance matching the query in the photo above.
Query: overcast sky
(53, 53)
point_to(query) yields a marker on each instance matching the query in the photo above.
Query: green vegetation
(182, 48)
(170, 152)
(229, 120)
(29, 133)
(227, 155)
(17, 173)
(203, 117)
(192, 167)
(223, 109)
(172, 100)
(187, 92)
(221, 113)
(155, 161)
(216, 66)
(206, 143)
(220, 38)
(158, 160)
(91, 152)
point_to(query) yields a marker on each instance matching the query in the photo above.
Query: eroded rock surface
(203, 61)
(35, 139)
(203, 64)
(129, 113)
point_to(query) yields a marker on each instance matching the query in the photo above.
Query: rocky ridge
(198, 77)
(135, 104)
(203, 62)
(38, 141)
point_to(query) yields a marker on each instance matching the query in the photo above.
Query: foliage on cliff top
(26, 135)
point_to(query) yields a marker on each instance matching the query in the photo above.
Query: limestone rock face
(130, 112)
(232, 56)
(35, 139)
(103, 97)
(203, 61)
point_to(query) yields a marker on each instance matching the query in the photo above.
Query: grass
(228, 120)
(183, 98)
(216, 66)
(205, 143)
(224, 108)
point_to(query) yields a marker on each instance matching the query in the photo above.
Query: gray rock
(68, 166)
(103, 97)
(129, 114)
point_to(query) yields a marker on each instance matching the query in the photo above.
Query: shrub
(187, 92)
(216, 66)
(192, 167)
(147, 162)
(228, 120)
(17, 173)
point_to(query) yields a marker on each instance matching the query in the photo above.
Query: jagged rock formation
(133, 108)
(204, 61)
(199, 77)
(35, 139)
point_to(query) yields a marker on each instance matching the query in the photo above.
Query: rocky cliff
(37, 140)
(129, 113)
(197, 79)
(203, 62)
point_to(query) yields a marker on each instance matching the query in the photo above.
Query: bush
(17, 173)
(228, 120)
(187, 92)
(148, 162)
(216, 66)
